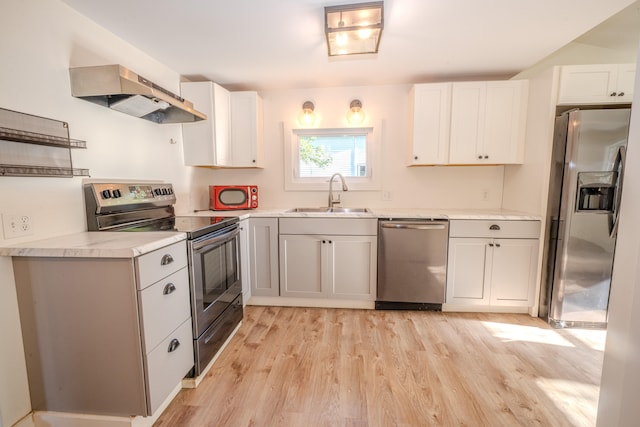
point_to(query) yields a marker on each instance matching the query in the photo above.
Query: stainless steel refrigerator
(587, 173)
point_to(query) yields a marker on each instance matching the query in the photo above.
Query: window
(316, 154)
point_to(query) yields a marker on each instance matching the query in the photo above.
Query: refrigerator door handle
(615, 216)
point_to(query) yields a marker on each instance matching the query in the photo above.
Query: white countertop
(95, 244)
(105, 244)
(453, 214)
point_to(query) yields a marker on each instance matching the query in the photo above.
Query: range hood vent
(116, 87)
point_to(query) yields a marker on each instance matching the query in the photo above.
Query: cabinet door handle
(330, 242)
(621, 94)
(415, 157)
(612, 94)
(497, 245)
(173, 345)
(494, 227)
(486, 157)
(169, 288)
(490, 245)
(166, 260)
(324, 241)
(480, 157)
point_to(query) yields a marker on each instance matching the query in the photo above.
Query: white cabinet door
(596, 84)
(626, 82)
(352, 267)
(430, 115)
(467, 122)
(514, 264)
(505, 122)
(246, 129)
(263, 256)
(488, 122)
(467, 273)
(207, 142)
(302, 266)
(245, 273)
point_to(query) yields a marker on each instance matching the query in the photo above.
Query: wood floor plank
(313, 367)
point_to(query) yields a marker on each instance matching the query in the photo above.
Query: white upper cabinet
(232, 134)
(246, 129)
(596, 84)
(488, 122)
(207, 143)
(430, 123)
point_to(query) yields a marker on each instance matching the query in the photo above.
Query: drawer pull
(166, 260)
(497, 245)
(168, 289)
(494, 227)
(173, 345)
(490, 245)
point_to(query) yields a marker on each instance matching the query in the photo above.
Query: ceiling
(276, 44)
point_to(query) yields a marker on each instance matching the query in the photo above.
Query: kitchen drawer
(504, 229)
(160, 263)
(332, 226)
(164, 306)
(166, 368)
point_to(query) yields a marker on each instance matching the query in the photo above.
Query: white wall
(39, 40)
(620, 385)
(424, 187)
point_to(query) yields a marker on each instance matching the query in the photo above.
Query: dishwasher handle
(414, 226)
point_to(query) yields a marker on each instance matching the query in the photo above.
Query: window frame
(293, 182)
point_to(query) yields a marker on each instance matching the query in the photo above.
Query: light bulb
(307, 117)
(365, 33)
(355, 115)
(342, 39)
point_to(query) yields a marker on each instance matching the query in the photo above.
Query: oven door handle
(205, 244)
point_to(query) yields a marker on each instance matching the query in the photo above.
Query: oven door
(215, 274)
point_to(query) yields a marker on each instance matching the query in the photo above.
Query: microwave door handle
(205, 244)
(621, 160)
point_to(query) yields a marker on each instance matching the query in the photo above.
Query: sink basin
(325, 209)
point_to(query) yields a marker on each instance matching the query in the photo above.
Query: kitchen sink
(326, 209)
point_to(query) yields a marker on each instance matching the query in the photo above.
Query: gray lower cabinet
(109, 336)
(263, 256)
(328, 258)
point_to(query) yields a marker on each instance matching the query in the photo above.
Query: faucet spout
(335, 199)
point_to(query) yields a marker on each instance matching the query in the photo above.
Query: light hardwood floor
(336, 367)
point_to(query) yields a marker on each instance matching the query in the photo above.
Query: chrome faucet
(332, 199)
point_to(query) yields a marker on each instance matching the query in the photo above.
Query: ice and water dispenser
(596, 191)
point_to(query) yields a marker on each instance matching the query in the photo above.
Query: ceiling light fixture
(355, 115)
(307, 117)
(353, 28)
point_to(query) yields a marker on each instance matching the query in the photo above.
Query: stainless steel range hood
(118, 88)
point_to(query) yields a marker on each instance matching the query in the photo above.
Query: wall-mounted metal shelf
(36, 146)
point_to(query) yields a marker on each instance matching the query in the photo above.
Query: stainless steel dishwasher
(412, 264)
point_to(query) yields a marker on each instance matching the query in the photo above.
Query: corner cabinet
(488, 122)
(492, 263)
(232, 134)
(596, 84)
(109, 336)
(328, 258)
(247, 123)
(263, 257)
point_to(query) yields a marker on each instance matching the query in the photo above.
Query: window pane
(324, 155)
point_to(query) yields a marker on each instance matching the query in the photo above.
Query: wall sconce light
(307, 117)
(353, 28)
(355, 115)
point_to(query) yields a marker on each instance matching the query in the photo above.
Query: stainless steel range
(213, 245)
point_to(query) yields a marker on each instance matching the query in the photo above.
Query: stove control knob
(106, 194)
(164, 192)
(170, 190)
(157, 192)
(116, 194)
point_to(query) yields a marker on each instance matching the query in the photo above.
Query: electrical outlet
(386, 195)
(17, 225)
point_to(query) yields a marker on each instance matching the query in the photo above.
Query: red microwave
(231, 197)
